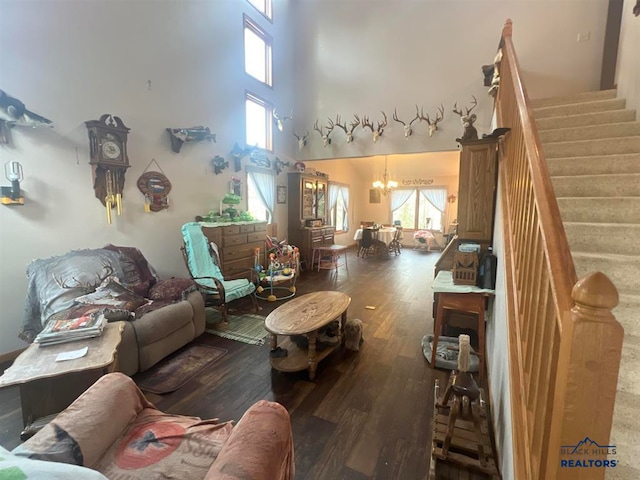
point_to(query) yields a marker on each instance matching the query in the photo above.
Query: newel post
(592, 377)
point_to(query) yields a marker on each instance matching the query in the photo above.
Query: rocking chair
(202, 261)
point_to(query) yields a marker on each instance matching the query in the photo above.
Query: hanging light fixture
(386, 185)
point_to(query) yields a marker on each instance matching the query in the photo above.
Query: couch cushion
(172, 289)
(111, 293)
(18, 467)
(161, 323)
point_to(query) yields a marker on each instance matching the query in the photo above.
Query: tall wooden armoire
(476, 197)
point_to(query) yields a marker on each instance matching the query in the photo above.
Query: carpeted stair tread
(622, 270)
(600, 209)
(579, 108)
(599, 146)
(574, 98)
(591, 132)
(584, 119)
(624, 434)
(628, 312)
(594, 164)
(624, 185)
(618, 238)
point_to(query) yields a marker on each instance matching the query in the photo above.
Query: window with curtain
(261, 193)
(339, 206)
(419, 209)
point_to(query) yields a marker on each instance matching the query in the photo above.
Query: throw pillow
(139, 275)
(172, 289)
(113, 294)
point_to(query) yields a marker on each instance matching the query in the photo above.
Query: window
(264, 7)
(261, 192)
(419, 209)
(339, 206)
(257, 52)
(258, 115)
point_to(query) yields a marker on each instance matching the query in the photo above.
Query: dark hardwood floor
(367, 414)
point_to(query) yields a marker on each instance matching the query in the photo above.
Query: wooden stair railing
(564, 343)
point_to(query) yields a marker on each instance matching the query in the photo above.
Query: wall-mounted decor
(218, 164)
(352, 126)
(13, 113)
(238, 154)
(467, 119)
(279, 164)
(155, 187)
(302, 140)
(12, 195)
(235, 186)
(109, 160)
(376, 132)
(179, 136)
(374, 195)
(281, 194)
(416, 182)
(279, 120)
(260, 158)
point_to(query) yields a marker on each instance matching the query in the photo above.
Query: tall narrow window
(264, 7)
(257, 52)
(339, 206)
(259, 132)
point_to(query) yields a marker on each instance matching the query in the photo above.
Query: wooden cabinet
(307, 198)
(308, 203)
(236, 243)
(476, 197)
(477, 190)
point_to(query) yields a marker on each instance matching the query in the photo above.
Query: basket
(465, 268)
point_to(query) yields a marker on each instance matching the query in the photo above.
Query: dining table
(384, 234)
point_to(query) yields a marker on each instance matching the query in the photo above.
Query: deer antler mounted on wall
(408, 130)
(348, 131)
(433, 124)
(325, 137)
(279, 121)
(302, 140)
(377, 132)
(470, 132)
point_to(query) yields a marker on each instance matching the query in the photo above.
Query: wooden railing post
(592, 363)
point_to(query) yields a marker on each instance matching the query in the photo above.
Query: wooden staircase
(592, 146)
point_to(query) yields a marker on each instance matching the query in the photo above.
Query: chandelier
(386, 185)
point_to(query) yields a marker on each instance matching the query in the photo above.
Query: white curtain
(436, 196)
(344, 191)
(265, 183)
(399, 198)
(334, 191)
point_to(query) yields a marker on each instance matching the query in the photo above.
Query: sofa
(112, 430)
(162, 315)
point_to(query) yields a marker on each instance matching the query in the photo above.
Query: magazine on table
(61, 331)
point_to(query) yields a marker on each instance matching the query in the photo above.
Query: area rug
(175, 371)
(247, 328)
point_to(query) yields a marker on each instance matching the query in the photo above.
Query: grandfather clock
(109, 160)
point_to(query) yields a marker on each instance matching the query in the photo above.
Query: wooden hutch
(308, 213)
(476, 197)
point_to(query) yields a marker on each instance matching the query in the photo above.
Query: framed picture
(281, 194)
(374, 195)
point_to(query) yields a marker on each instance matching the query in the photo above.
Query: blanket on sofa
(56, 283)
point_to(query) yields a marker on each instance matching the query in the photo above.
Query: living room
(180, 64)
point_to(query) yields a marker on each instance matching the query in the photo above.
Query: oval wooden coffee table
(305, 315)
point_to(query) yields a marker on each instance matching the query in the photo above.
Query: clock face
(111, 149)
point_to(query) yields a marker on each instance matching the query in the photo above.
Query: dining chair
(394, 244)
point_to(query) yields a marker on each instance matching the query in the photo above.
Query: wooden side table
(47, 387)
(333, 251)
(449, 297)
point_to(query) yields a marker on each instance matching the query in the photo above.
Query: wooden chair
(203, 264)
(367, 224)
(395, 245)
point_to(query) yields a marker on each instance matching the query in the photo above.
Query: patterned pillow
(173, 289)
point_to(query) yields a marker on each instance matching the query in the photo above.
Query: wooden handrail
(564, 343)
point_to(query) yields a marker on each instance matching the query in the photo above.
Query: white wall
(74, 61)
(628, 68)
(361, 57)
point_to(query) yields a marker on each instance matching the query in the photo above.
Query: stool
(462, 302)
(329, 250)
